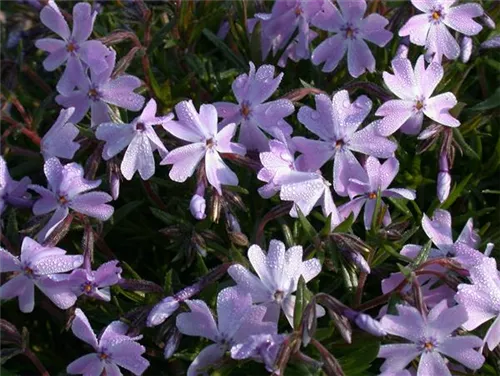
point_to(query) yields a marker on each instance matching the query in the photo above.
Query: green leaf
(345, 225)
(167, 285)
(457, 135)
(222, 47)
(309, 230)
(423, 255)
(159, 35)
(490, 103)
(300, 303)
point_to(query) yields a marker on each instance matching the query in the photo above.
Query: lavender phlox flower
(351, 30)
(336, 121)
(430, 337)
(37, 266)
(67, 189)
(255, 115)
(113, 349)
(74, 49)
(276, 162)
(481, 299)
(363, 192)
(278, 276)
(285, 18)
(99, 91)
(95, 283)
(140, 140)
(13, 192)
(260, 347)
(430, 29)
(205, 142)
(414, 88)
(237, 319)
(59, 140)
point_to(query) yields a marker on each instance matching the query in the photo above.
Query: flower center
(28, 272)
(93, 94)
(339, 144)
(278, 296)
(87, 287)
(428, 344)
(71, 47)
(210, 143)
(350, 31)
(436, 15)
(245, 110)
(298, 11)
(140, 127)
(103, 356)
(419, 105)
(372, 195)
(62, 200)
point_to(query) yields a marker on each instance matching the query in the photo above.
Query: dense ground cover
(363, 137)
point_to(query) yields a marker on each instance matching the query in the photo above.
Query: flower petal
(94, 205)
(81, 329)
(198, 322)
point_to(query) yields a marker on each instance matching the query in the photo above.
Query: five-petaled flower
(430, 337)
(38, 266)
(206, 141)
(74, 49)
(113, 349)
(255, 116)
(414, 87)
(99, 91)
(237, 319)
(430, 29)
(59, 140)
(139, 138)
(279, 272)
(351, 30)
(67, 189)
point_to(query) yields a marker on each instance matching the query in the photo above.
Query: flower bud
(198, 206)
(493, 42)
(465, 49)
(488, 21)
(172, 343)
(444, 178)
(369, 325)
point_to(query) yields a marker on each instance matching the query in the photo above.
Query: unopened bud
(429, 131)
(369, 325)
(197, 207)
(493, 42)
(162, 311)
(444, 178)
(172, 343)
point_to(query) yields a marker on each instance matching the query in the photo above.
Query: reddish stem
(36, 362)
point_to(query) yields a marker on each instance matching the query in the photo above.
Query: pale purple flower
(99, 91)
(13, 192)
(197, 206)
(363, 192)
(74, 49)
(278, 277)
(307, 190)
(351, 30)
(481, 299)
(430, 29)
(139, 138)
(95, 283)
(255, 116)
(59, 140)
(67, 189)
(260, 347)
(37, 266)
(206, 141)
(237, 319)
(276, 162)
(280, 25)
(430, 337)
(414, 88)
(113, 349)
(336, 121)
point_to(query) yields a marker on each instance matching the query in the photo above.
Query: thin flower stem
(36, 362)
(153, 196)
(32, 135)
